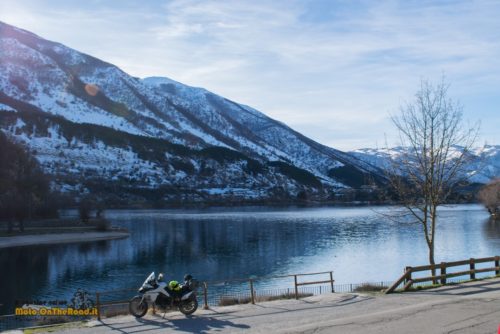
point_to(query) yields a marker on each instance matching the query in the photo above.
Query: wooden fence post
(252, 294)
(331, 281)
(98, 306)
(472, 269)
(403, 278)
(497, 260)
(408, 280)
(296, 287)
(407, 272)
(205, 296)
(443, 273)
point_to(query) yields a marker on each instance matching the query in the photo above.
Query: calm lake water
(357, 243)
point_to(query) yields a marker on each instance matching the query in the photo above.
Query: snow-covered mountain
(483, 165)
(93, 126)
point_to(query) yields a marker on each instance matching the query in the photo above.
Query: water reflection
(491, 229)
(358, 244)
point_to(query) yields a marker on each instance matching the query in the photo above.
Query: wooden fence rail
(442, 267)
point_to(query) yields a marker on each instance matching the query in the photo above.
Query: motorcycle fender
(187, 295)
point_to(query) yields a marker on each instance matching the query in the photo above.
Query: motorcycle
(156, 292)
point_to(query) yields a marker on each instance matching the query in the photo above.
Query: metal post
(472, 268)
(443, 273)
(98, 306)
(331, 281)
(296, 288)
(252, 294)
(205, 296)
(497, 260)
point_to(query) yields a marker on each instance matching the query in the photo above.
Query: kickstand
(164, 313)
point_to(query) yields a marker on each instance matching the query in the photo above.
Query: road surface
(466, 308)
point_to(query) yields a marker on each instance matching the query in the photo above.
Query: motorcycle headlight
(141, 289)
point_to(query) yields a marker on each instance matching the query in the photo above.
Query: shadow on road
(463, 289)
(191, 324)
(271, 309)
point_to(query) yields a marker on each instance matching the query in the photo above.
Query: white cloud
(332, 70)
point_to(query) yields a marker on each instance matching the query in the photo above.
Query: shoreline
(60, 238)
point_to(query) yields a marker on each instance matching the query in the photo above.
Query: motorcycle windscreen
(150, 279)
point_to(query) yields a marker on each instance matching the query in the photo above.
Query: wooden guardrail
(408, 280)
(251, 282)
(297, 284)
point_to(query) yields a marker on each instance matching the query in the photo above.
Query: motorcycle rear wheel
(188, 307)
(138, 307)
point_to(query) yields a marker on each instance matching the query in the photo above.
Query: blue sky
(333, 70)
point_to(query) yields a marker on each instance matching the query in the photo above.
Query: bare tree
(436, 150)
(489, 195)
(23, 186)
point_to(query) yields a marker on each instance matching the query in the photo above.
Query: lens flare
(91, 89)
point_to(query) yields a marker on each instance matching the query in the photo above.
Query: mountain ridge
(483, 164)
(40, 78)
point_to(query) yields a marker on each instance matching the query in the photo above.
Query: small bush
(102, 225)
(84, 209)
(227, 301)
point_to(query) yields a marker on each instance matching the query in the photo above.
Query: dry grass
(229, 300)
(53, 320)
(109, 311)
(368, 287)
(54, 328)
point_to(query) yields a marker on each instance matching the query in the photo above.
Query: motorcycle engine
(163, 301)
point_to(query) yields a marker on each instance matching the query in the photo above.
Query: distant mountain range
(484, 162)
(98, 129)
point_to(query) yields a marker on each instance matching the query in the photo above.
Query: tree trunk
(21, 224)
(432, 239)
(10, 226)
(432, 262)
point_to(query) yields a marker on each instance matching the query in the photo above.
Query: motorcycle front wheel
(138, 307)
(189, 306)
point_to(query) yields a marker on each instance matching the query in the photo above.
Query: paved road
(466, 308)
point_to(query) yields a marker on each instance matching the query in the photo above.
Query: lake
(358, 243)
